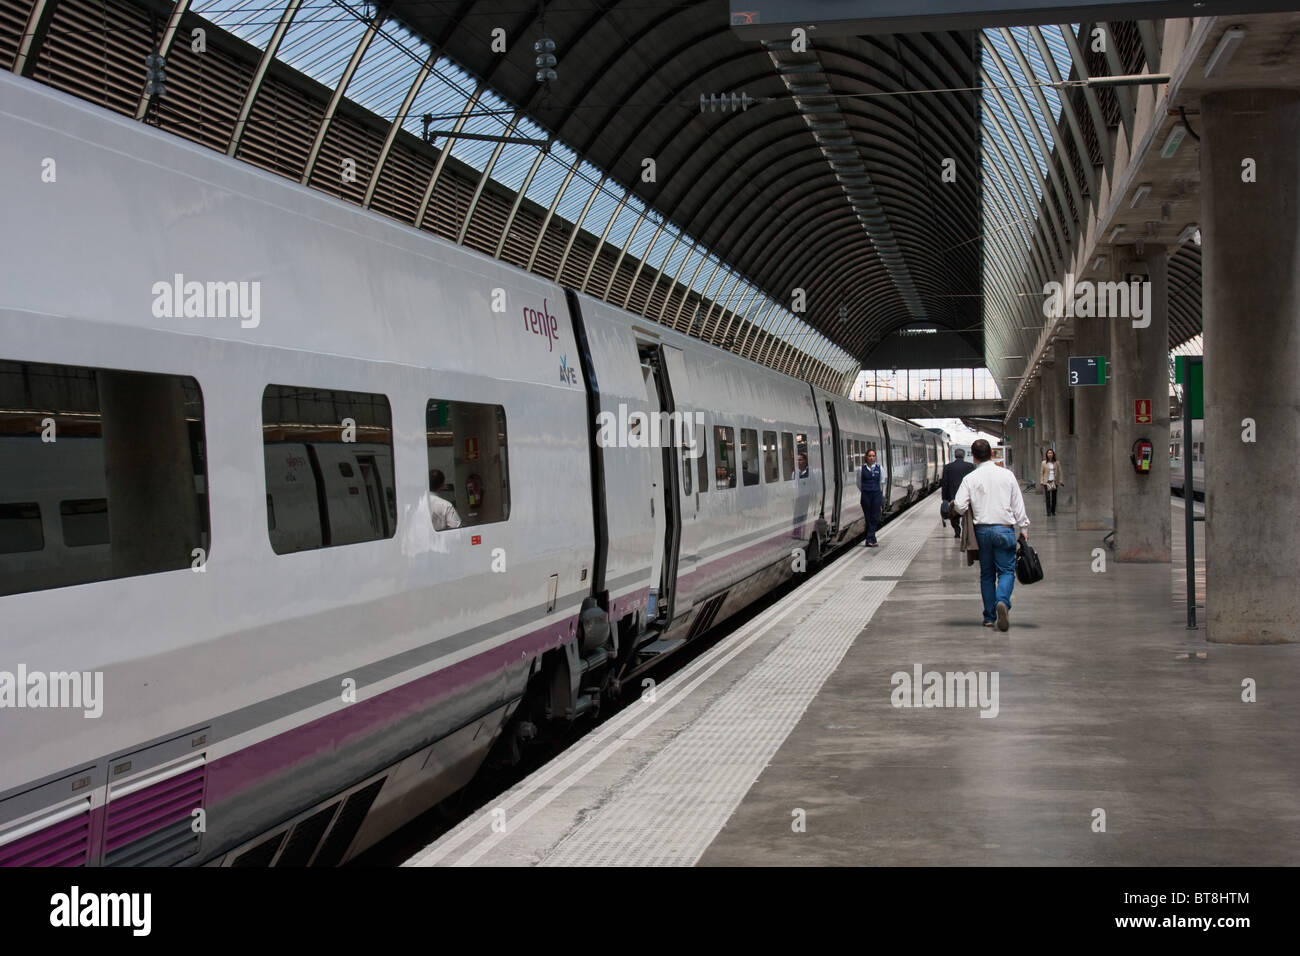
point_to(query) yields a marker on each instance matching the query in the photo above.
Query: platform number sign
(1087, 370)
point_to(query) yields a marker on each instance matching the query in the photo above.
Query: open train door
(658, 363)
(831, 465)
(886, 467)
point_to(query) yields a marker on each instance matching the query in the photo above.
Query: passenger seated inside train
(441, 510)
(801, 469)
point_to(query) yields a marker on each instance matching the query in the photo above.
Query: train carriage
(237, 516)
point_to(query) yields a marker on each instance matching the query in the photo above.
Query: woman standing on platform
(1050, 477)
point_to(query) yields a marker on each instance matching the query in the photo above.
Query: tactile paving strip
(670, 811)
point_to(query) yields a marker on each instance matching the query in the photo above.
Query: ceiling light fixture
(1228, 43)
(1173, 141)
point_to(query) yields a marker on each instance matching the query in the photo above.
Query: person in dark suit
(953, 473)
(872, 495)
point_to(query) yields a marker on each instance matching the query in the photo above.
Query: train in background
(239, 527)
(1177, 467)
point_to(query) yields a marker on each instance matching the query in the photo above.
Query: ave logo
(568, 373)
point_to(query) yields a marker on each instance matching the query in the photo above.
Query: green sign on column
(1193, 385)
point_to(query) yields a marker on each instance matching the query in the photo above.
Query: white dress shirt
(994, 495)
(443, 513)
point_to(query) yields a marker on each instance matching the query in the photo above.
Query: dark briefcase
(1028, 568)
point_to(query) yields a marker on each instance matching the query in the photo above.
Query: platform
(782, 745)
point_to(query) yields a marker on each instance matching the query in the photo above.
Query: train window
(749, 455)
(20, 527)
(724, 453)
(307, 435)
(701, 439)
(70, 440)
(85, 522)
(801, 453)
(771, 461)
(787, 456)
(468, 456)
(688, 465)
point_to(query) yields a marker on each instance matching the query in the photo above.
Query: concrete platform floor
(1099, 709)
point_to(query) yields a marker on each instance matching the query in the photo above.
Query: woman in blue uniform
(869, 485)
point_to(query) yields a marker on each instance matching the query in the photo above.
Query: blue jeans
(871, 504)
(997, 559)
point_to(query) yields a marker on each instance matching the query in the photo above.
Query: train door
(686, 464)
(887, 466)
(834, 466)
(665, 494)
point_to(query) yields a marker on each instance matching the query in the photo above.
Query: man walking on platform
(872, 499)
(990, 496)
(953, 473)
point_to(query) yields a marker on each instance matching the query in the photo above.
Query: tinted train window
(801, 452)
(771, 461)
(724, 453)
(20, 528)
(85, 522)
(469, 454)
(749, 455)
(701, 439)
(83, 496)
(308, 434)
(787, 456)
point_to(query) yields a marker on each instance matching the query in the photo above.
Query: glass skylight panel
(628, 214)
(579, 191)
(715, 278)
(639, 241)
(321, 40)
(602, 208)
(550, 175)
(655, 254)
(441, 98)
(675, 260)
(250, 20)
(513, 164)
(386, 72)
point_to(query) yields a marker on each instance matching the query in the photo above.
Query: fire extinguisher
(474, 491)
(1141, 456)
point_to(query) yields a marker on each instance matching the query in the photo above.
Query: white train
(1177, 470)
(223, 399)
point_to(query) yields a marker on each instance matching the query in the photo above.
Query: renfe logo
(542, 323)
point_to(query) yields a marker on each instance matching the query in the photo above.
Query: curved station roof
(800, 201)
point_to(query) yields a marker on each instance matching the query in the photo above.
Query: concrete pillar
(1092, 470)
(1047, 408)
(1139, 371)
(1066, 452)
(1251, 299)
